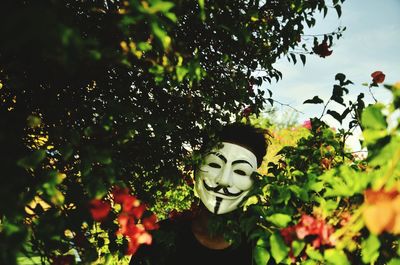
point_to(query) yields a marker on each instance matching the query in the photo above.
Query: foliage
(98, 94)
(321, 204)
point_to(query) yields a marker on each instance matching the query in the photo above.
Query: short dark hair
(247, 136)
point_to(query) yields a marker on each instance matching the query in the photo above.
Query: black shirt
(175, 244)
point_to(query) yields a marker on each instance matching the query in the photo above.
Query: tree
(97, 94)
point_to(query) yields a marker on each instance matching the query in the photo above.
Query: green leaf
(32, 160)
(398, 248)
(335, 115)
(171, 16)
(340, 77)
(303, 59)
(373, 118)
(338, 10)
(394, 262)
(370, 249)
(202, 13)
(293, 56)
(181, 72)
(314, 100)
(371, 136)
(336, 257)
(387, 153)
(261, 254)
(279, 219)
(299, 192)
(297, 247)
(314, 254)
(144, 46)
(310, 262)
(279, 250)
(159, 6)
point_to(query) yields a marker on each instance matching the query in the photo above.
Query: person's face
(224, 178)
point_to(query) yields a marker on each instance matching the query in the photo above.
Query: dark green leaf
(340, 77)
(314, 100)
(303, 58)
(33, 160)
(335, 115)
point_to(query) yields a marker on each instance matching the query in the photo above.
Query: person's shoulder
(163, 242)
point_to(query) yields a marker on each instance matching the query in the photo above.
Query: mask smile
(220, 188)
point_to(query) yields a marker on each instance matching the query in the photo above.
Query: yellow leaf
(378, 217)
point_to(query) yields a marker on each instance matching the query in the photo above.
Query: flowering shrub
(323, 205)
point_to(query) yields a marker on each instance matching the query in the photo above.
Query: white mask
(224, 178)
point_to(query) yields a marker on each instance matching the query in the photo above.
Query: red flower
(99, 209)
(378, 77)
(246, 112)
(309, 228)
(137, 239)
(150, 223)
(322, 49)
(127, 225)
(288, 234)
(138, 211)
(120, 194)
(129, 203)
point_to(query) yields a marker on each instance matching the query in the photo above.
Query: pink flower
(311, 229)
(307, 124)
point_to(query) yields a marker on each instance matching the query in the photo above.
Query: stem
(369, 88)
(323, 111)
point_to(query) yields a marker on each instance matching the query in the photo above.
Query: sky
(370, 43)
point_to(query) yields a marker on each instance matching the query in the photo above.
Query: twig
(287, 105)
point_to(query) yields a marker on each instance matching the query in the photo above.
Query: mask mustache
(218, 188)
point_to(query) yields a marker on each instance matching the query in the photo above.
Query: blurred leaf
(395, 261)
(279, 250)
(261, 254)
(336, 257)
(33, 160)
(34, 121)
(370, 249)
(372, 118)
(297, 247)
(314, 254)
(279, 219)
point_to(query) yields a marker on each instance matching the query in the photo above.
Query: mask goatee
(217, 204)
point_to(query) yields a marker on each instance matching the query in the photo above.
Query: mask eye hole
(214, 165)
(240, 172)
